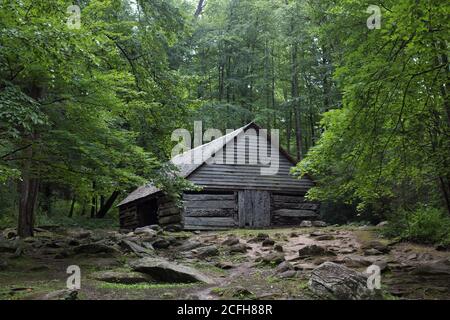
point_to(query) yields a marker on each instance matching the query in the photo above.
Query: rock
(443, 247)
(79, 234)
(147, 231)
(278, 248)
(356, 261)
(73, 242)
(372, 252)
(165, 271)
(325, 237)
(237, 292)
(230, 241)
(209, 251)
(94, 248)
(189, 245)
(319, 224)
(412, 256)
(382, 264)
(161, 244)
(173, 228)
(196, 232)
(314, 250)
(3, 264)
(9, 233)
(155, 227)
(64, 294)
(122, 277)
(259, 238)
(304, 266)
(288, 274)
(334, 281)
(8, 246)
(377, 245)
(273, 258)
(135, 248)
(224, 265)
(437, 267)
(346, 250)
(293, 235)
(284, 266)
(382, 224)
(305, 224)
(268, 242)
(238, 248)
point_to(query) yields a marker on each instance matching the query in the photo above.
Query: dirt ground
(241, 275)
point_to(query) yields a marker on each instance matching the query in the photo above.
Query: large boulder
(165, 271)
(334, 281)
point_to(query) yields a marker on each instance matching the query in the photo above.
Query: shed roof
(185, 165)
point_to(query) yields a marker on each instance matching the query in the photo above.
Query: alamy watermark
(374, 21)
(74, 19)
(250, 147)
(374, 279)
(74, 280)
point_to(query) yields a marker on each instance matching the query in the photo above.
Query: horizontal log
(169, 219)
(198, 212)
(193, 227)
(213, 204)
(168, 212)
(293, 198)
(209, 222)
(295, 213)
(202, 197)
(298, 206)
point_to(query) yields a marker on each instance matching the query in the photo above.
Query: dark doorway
(147, 213)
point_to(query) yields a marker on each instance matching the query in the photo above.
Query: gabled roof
(185, 165)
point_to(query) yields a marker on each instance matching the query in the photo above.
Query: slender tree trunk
(72, 206)
(201, 4)
(29, 188)
(108, 204)
(94, 202)
(295, 96)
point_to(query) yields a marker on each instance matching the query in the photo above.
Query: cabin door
(254, 209)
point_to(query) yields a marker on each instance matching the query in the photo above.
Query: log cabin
(234, 194)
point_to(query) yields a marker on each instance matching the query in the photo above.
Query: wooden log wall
(209, 211)
(128, 218)
(292, 210)
(169, 214)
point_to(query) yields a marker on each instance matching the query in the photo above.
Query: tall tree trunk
(108, 204)
(72, 206)
(295, 102)
(200, 6)
(94, 202)
(29, 188)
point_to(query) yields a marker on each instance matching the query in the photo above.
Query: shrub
(423, 225)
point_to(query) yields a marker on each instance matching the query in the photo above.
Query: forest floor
(241, 264)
